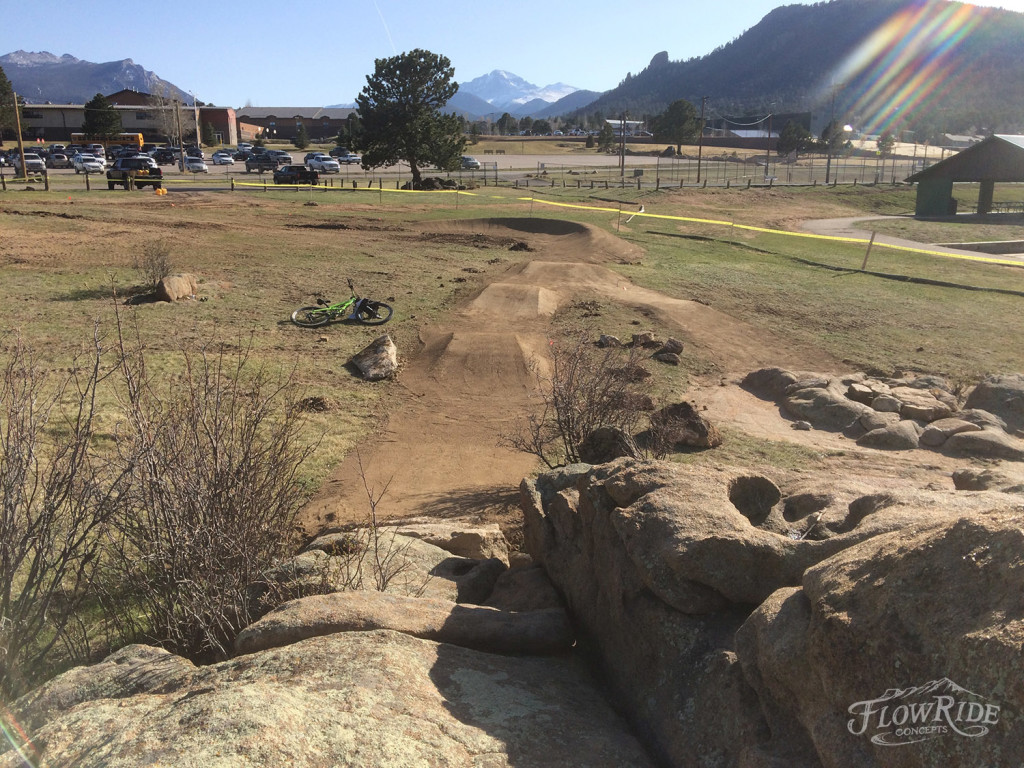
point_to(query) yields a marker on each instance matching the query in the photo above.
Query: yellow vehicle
(121, 139)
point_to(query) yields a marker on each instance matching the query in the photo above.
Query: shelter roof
(998, 158)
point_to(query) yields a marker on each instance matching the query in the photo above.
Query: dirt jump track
(440, 453)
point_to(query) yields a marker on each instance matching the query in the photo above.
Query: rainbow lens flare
(907, 64)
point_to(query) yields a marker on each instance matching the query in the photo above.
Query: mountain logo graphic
(936, 709)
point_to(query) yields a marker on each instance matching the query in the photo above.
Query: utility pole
(181, 139)
(828, 145)
(700, 137)
(195, 111)
(17, 122)
(768, 151)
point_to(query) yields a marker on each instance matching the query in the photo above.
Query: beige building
(56, 122)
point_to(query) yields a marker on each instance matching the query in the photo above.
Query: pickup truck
(295, 174)
(33, 164)
(134, 170)
(260, 163)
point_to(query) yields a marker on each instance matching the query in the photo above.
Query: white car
(195, 165)
(324, 164)
(350, 159)
(223, 158)
(85, 163)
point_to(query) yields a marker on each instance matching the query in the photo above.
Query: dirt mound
(513, 301)
(557, 238)
(471, 380)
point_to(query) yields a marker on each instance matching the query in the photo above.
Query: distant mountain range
(908, 65)
(43, 77)
(903, 64)
(493, 94)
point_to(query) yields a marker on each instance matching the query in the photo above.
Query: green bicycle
(365, 311)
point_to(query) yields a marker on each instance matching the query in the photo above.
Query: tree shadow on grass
(136, 294)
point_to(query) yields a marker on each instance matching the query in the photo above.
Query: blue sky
(311, 54)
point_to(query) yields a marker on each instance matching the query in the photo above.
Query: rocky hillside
(790, 60)
(44, 77)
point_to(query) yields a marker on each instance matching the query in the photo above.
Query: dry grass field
(69, 261)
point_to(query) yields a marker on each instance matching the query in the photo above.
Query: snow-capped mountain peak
(502, 89)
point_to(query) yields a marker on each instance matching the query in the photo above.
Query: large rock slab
(526, 588)
(899, 436)
(826, 407)
(461, 536)
(659, 565)
(931, 617)
(1002, 395)
(1003, 479)
(922, 404)
(362, 699)
(938, 432)
(987, 444)
(382, 560)
(485, 629)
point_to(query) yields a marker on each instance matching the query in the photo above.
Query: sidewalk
(847, 227)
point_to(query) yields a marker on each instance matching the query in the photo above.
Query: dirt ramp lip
(514, 300)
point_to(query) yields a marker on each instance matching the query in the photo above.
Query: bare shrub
(369, 557)
(57, 499)
(587, 388)
(154, 262)
(213, 460)
(388, 558)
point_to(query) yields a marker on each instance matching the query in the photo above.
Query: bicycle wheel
(375, 313)
(311, 317)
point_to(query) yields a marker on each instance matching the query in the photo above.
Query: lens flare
(907, 64)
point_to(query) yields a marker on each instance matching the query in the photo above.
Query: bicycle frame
(359, 309)
(344, 308)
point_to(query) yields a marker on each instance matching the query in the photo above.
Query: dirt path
(441, 451)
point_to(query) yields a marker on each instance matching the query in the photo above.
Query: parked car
(260, 163)
(223, 157)
(194, 152)
(470, 163)
(338, 151)
(58, 160)
(295, 174)
(323, 164)
(164, 156)
(244, 146)
(242, 155)
(195, 165)
(280, 156)
(33, 164)
(349, 159)
(86, 163)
